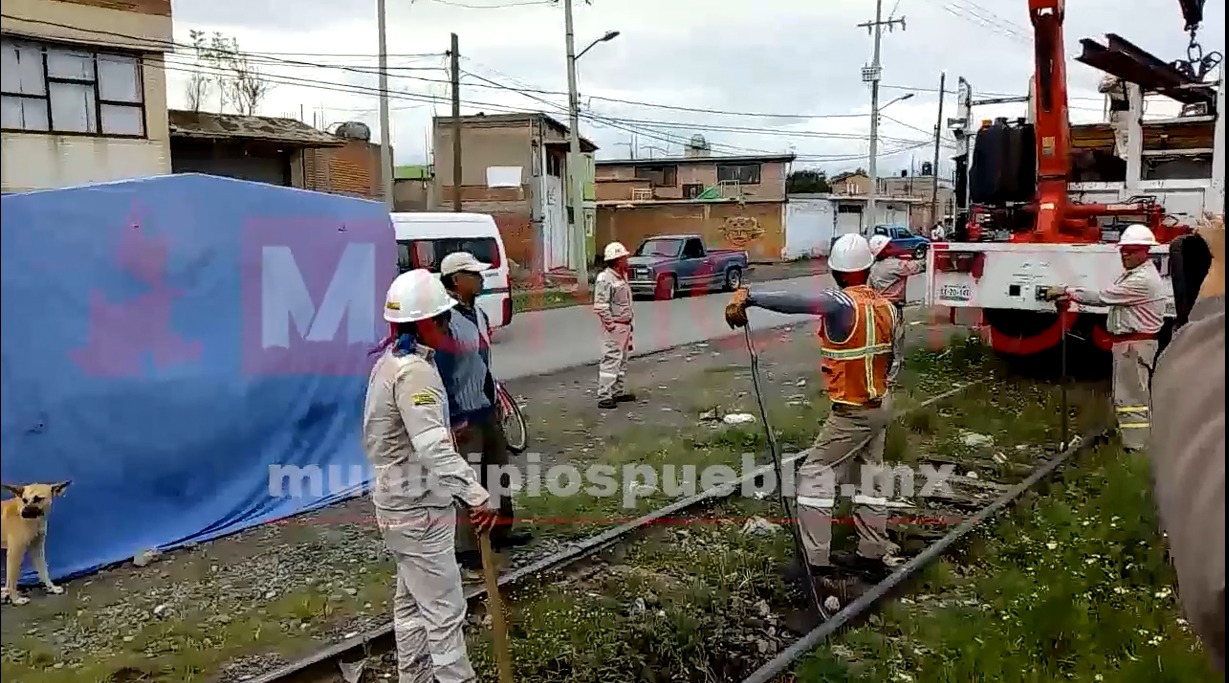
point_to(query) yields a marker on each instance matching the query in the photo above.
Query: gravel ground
(236, 606)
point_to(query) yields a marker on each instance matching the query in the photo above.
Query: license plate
(954, 292)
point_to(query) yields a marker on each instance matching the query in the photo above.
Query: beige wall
(40, 161)
(482, 146)
(771, 186)
(852, 186)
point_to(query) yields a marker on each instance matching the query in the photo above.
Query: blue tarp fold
(185, 349)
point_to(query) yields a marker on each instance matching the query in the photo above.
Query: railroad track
(614, 552)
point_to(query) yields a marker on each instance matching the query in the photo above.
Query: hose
(775, 452)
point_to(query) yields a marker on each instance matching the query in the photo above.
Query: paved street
(544, 341)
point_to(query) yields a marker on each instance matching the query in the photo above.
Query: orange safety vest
(856, 368)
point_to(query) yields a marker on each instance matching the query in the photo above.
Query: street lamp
(873, 171)
(579, 236)
(610, 35)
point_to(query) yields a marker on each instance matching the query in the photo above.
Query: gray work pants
(1132, 368)
(485, 436)
(612, 369)
(898, 344)
(429, 605)
(848, 454)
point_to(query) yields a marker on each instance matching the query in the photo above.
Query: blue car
(903, 241)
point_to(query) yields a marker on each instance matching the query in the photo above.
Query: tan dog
(25, 531)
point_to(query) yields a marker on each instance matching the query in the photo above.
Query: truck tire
(733, 278)
(919, 252)
(667, 288)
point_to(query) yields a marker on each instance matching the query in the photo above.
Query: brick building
(514, 167)
(280, 151)
(732, 201)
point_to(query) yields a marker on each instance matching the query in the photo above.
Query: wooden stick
(495, 605)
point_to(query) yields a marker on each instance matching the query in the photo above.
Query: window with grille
(59, 89)
(743, 174)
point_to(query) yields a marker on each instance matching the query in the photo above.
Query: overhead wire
(638, 126)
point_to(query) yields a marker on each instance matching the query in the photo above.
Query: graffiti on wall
(741, 230)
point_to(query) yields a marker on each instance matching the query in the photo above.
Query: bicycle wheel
(516, 433)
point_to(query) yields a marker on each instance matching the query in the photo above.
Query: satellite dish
(354, 130)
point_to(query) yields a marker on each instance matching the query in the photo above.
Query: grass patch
(541, 300)
(1073, 587)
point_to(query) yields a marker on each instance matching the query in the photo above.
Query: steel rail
(322, 664)
(871, 598)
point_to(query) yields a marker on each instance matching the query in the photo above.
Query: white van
(424, 239)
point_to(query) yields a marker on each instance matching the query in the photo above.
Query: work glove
(1052, 293)
(483, 517)
(736, 310)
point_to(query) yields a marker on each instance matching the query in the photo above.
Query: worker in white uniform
(419, 481)
(1119, 111)
(889, 276)
(612, 301)
(1136, 302)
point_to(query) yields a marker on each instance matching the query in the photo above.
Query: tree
(807, 180)
(199, 83)
(221, 64)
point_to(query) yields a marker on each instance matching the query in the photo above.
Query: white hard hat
(462, 260)
(615, 250)
(878, 242)
(416, 295)
(850, 254)
(1137, 235)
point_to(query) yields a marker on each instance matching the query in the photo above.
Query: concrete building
(814, 221)
(84, 92)
(514, 167)
(279, 151)
(915, 189)
(732, 201)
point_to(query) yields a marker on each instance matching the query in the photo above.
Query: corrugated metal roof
(211, 126)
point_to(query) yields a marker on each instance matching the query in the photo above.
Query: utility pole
(871, 74)
(934, 168)
(455, 55)
(579, 240)
(386, 137)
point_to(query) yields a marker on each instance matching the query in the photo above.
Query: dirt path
(233, 606)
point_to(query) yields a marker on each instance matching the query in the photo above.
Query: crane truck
(1042, 201)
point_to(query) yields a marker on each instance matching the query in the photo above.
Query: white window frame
(93, 83)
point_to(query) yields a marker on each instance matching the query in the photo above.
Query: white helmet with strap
(615, 250)
(877, 243)
(416, 295)
(850, 254)
(1137, 235)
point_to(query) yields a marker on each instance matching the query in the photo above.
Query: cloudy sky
(750, 76)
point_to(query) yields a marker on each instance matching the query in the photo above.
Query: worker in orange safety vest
(857, 326)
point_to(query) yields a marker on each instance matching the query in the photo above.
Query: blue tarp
(169, 343)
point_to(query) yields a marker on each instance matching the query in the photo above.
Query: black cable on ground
(782, 661)
(800, 555)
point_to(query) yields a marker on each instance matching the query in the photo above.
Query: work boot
(626, 397)
(470, 560)
(607, 404)
(513, 539)
(871, 569)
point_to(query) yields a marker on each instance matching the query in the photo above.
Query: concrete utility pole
(386, 136)
(575, 188)
(962, 126)
(455, 54)
(934, 168)
(871, 74)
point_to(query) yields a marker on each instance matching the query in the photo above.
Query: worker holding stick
(1137, 312)
(857, 327)
(419, 481)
